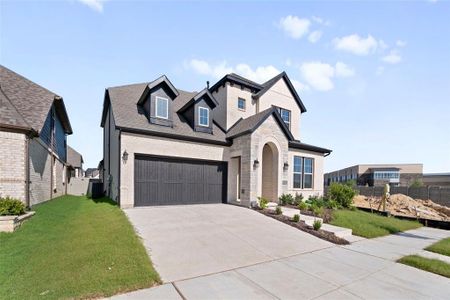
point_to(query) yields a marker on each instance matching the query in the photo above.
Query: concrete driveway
(228, 252)
(186, 241)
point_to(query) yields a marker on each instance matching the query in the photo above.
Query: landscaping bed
(73, 247)
(322, 234)
(427, 264)
(370, 225)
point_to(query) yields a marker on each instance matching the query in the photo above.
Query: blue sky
(375, 77)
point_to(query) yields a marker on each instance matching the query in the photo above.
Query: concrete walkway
(363, 270)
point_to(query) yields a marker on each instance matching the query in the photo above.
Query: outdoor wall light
(125, 155)
(285, 166)
(255, 163)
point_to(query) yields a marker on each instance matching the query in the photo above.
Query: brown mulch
(322, 234)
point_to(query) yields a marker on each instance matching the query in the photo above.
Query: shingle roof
(31, 101)
(248, 125)
(74, 158)
(9, 116)
(128, 115)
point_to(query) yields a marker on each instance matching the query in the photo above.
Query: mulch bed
(322, 234)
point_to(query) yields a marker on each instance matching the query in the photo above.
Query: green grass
(370, 225)
(73, 248)
(431, 265)
(441, 247)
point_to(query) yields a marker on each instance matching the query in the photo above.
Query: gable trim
(161, 80)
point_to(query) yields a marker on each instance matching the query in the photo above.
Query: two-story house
(229, 143)
(33, 140)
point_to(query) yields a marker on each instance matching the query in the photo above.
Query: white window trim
(207, 119)
(301, 173)
(307, 173)
(156, 107)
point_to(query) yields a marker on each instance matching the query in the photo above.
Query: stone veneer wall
(12, 165)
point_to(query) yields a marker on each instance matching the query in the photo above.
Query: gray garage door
(169, 181)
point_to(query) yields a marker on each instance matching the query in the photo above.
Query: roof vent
(207, 84)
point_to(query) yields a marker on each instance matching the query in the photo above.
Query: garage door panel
(168, 181)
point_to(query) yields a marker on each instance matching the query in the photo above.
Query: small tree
(342, 194)
(417, 183)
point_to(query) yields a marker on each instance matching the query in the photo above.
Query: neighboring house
(75, 162)
(436, 179)
(92, 173)
(229, 143)
(377, 174)
(33, 129)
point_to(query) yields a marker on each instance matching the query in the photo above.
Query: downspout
(27, 171)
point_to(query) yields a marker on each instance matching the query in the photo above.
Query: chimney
(207, 84)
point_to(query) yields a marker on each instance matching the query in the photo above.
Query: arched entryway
(269, 178)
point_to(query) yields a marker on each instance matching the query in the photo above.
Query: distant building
(377, 174)
(75, 162)
(92, 173)
(436, 179)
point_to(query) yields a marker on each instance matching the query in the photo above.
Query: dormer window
(162, 107)
(203, 116)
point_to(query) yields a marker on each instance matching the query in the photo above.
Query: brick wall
(12, 165)
(40, 172)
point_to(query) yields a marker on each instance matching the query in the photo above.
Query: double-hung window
(241, 103)
(162, 108)
(298, 166)
(203, 116)
(303, 172)
(285, 115)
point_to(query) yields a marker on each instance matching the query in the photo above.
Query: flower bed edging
(11, 223)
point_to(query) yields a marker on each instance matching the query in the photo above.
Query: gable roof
(9, 116)
(74, 158)
(30, 101)
(161, 80)
(250, 124)
(260, 89)
(204, 92)
(131, 117)
(268, 84)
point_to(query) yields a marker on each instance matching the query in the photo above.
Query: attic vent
(207, 84)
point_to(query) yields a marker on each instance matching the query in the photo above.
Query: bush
(332, 204)
(286, 199)
(416, 184)
(317, 211)
(342, 194)
(317, 224)
(263, 202)
(298, 199)
(11, 207)
(316, 201)
(302, 206)
(296, 218)
(278, 210)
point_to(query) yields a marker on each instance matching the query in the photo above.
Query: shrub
(278, 210)
(317, 211)
(302, 206)
(342, 194)
(416, 184)
(296, 218)
(263, 202)
(286, 199)
(332, 204)
(317, 224)
(316, 201)
(298, 198)
(11, 207)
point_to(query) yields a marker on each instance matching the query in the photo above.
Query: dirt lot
(402, 205)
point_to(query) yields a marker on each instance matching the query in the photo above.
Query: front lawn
(73, 248)
(370, 225)
(441, 247)
(431, 265)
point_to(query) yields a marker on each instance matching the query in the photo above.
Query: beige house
(33, 140)
(229, 143)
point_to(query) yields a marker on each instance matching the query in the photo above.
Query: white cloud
(393, 57)
(294, 26)
(299, 87)
(260, 74)
(343, 70)
(382, 45)
(320, 20)
(400, 43)
(356, 44)
(315, 36)
(318, 75)
(96, 5)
